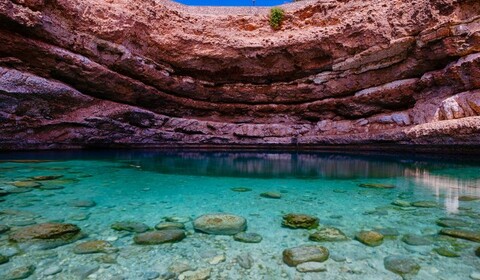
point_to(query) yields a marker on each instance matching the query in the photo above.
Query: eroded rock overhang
(146, 73)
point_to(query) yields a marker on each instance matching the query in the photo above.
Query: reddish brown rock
(45, 231)
(95, 73)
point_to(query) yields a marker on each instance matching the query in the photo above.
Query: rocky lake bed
(112, 219)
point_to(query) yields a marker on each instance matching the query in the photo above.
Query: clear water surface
(148, 186)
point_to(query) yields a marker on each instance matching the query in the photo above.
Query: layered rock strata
(149, 73)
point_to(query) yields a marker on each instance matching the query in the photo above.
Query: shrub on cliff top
(276, 17)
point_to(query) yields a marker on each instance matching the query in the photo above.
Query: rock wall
(150, 73)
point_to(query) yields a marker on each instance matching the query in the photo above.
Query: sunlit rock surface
(149, 73)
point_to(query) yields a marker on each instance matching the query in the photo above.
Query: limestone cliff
(81, 73)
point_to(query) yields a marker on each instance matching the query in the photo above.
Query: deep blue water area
(413, 201)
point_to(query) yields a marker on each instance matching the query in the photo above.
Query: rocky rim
(150, 73)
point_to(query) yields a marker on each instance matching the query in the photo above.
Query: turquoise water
(146, 187)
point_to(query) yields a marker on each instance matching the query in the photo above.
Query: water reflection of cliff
(451, 188)
(282, 165)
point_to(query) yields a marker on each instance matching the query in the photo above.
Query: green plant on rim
(276, 17)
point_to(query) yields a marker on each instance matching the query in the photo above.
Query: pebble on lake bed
(328, 234)
(401, 203)
(402, 265)
(169, 225)
(21, 272)
(416, 240)
(274, 195)
(94, 246)
(200, 274)
(130, 226)
(3, 259)
(302, 254)
(377, 186)
(4, 228)
(26, 184)
(159, 237)
(462, 234)
(445, 252)
(245, 260)
(45, 231)
(452, 222)
(293, 220)
(311, 267)
(475, 275)
(425, 204)
(468, 198)
(241, 189)
(248, 237)
(370, 238)
(176, 219)
(83, 203)
(217, 259)
(46, 177)
(220, 224)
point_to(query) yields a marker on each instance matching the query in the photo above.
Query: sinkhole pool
(427, 212)
(233, 3)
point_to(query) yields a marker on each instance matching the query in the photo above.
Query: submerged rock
(83, 203)
(249, 237)
(130, 226)
(274, 195)
(311, 267)
(401, 203)
(468, 198)
(51, 187)
(94, 246)
(44, 231)
(150, 275)
(26, 184)
(388, 232)
(4, 228)
(477, 252)
(19, 273)
(370, 238)
(241, 189)
(180, 266)
(245, 260)
(442, 251)
(425, 204)
(416, 240)
(302, 254)
(159, 237)
(452, 222)
(84, 271)
(328, 234)
(169, 225)
(475, 275)
(377, 186)
(402, 265)
(217, 259)
(300, 221)
(177, 219)
(46, 178)
(462, 234)
(4, 259)
(52, 270)
(220, 224)
(200, 274)
(4, 192)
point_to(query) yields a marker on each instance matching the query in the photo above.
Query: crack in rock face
(148, 73)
